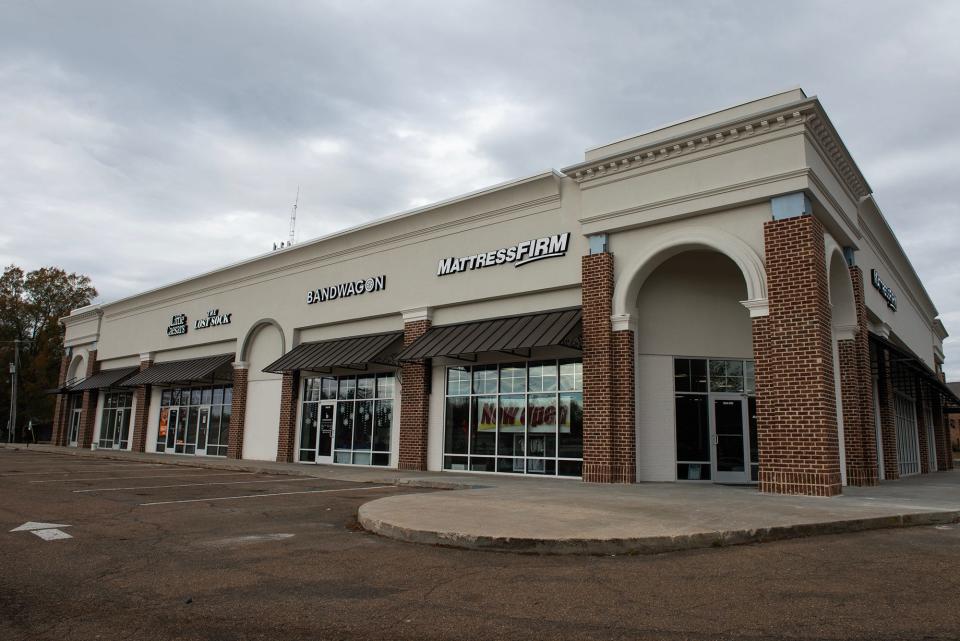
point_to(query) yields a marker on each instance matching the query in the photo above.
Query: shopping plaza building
(715, 301)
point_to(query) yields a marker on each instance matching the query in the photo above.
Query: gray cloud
(142, 142)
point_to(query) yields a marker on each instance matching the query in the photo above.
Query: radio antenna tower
(293, 218)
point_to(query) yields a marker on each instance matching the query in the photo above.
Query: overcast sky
(142, 142)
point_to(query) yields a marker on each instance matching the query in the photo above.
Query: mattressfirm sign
(178, 325)
(349, 288)
(519, 255)
(884, 290)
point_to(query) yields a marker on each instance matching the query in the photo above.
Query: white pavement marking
(33, 525)
(51, 535)
(257, 496)
(46, 531)
(250, 538)
(155, 487)
(99, 469)
(161, 476)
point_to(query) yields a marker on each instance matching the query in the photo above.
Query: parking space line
(257, 496)
(126, 478)
(86, 470)
(154, 487)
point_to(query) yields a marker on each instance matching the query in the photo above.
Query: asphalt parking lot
(171, 552)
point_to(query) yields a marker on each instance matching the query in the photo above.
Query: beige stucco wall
(656, 435)
(263, 396)
(405, 251)
(690, 306)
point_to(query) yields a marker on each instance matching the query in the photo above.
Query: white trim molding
(845, 332)
(671, 243)
(757, 307)
(622, 322)
(147, 356)
(419, 314)
(241, 365)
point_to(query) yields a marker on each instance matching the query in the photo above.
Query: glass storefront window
(517, 418)
(458, 381)
(195, 420)
(347, 419)
(115, 420)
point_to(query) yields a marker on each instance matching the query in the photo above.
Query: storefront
(720, 300)
(195, 420)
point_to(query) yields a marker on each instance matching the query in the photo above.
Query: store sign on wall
(884, 290)
(214, 319)
(519, 255)
(178, 325)
(347, 289)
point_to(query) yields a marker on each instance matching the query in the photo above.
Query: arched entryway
(843, 324)
(690, 297)
(263, 344)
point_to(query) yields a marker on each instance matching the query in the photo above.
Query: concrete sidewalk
(561, 516)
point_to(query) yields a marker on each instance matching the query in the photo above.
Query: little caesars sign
(520, 254)
(344, 290)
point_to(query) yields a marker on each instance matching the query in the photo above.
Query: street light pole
(14, 371)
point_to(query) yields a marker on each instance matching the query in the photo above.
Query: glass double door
(187, 430)
(116, 428)
(733, 432)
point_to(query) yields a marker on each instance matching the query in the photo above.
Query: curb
(644, 545)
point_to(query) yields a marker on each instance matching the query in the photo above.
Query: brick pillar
(888, 425)
(141, 394)
(88, 412)
(623, 372)
(414, 400)
(597, 305)
(287, 431)
(238, 411)
(58, 433)
(609, 409)
(856, 388)
(925, 443)
(944, 454)
(797, 426)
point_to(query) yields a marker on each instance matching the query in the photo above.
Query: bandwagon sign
(344, 290)
(520, 254)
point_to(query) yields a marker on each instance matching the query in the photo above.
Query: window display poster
(164, 418)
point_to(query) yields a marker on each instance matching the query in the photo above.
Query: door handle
(716, 440)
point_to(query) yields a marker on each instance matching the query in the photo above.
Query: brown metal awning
(512, 335)
(909, 361)
(101, 380)
(185, 371)
(355, 352)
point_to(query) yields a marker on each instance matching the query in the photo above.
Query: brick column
(609, 399)
(888, 425)
(797, 425)
(238, 411)
(924, 441)
(623, 420)
(414, 397)
(287, 431)
(597, 305)
(88, 412)
(945, 449)
(60, 403)
(142, 395)
(856, 388)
